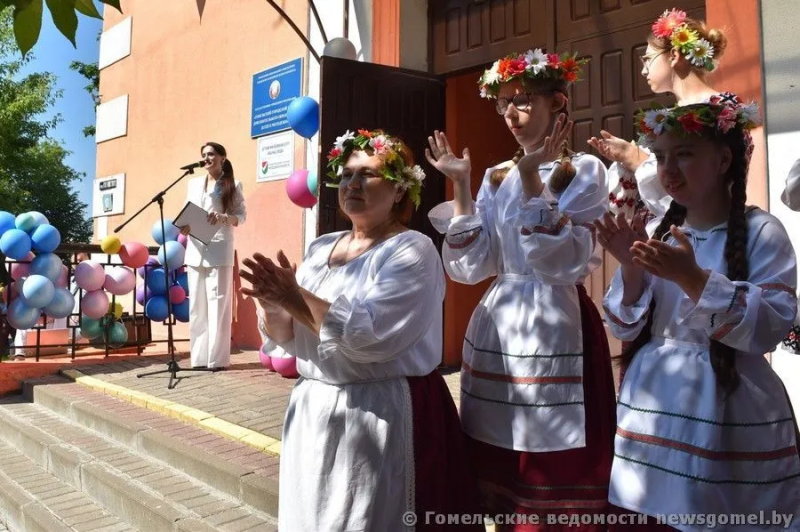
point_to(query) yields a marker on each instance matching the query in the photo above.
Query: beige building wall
(190, 81)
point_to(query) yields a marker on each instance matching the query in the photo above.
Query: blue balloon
(183, 281)
(47, 265)
(303, 116)
(175, 253)
(26, 222)
(156, 308)
(15, 244)
(39, 219)
(6, 222)
(21, 316)
(62, 304)
(170, 231)
(181, 312)
(38, 291)
(311, 182)
(46, 238)
(157, 282)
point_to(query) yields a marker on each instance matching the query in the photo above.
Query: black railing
(137, 324)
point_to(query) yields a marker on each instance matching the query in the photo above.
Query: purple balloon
(152, 262)
(143, 294)
(183, 239)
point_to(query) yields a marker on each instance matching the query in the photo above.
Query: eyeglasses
(520, 101)
(647, 61)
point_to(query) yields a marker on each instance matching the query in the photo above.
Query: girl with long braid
(703, 423)
(537, 393)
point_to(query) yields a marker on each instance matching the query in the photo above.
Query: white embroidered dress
(347, 460)
(522, 372)
(681, 447)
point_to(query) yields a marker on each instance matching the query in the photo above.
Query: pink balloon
(20, 270)
(297, 189)
(287, 367)
(134, 254)
(266, 360)
(90, 275)
(177, 294)
(63, 278)
(95, 304)
(120, 281)
(183, 240)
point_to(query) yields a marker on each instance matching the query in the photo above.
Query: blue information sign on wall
(273, 91)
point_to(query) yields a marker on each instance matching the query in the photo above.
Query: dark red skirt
(445, 483)
(559, 484)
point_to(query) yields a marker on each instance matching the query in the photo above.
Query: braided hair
(723, 357)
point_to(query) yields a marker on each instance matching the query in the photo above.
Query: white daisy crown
(531, 65)
(671, 25)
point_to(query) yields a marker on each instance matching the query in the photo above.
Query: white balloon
(340, 47)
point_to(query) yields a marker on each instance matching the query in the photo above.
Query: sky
(54, 53)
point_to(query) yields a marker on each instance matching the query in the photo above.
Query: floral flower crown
(719, 116)
(697, 50)
(531, 65)
(377, 142)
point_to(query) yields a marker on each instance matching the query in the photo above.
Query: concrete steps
(131, 468)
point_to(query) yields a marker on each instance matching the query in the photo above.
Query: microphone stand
(172, 365)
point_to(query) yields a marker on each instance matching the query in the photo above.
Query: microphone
(198, 164)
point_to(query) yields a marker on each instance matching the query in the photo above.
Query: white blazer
(219, 251)
(791, 194)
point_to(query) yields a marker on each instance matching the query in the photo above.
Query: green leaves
(64, 17)
(34, 172)
(113, 3)
(28, 17)
(27, 24)
(87, 8)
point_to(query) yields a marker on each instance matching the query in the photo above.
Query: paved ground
(246, 394)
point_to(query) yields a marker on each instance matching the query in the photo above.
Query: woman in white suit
(210, 267)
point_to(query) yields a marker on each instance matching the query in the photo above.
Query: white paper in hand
(197, 220)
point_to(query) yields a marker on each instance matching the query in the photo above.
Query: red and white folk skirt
(567, 484)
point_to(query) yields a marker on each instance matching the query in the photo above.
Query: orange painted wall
(740, 72)
(471, 122)
(386, 32)
(188, 83)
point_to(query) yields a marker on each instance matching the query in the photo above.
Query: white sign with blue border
(273, 91)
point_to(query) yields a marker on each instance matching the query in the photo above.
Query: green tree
(28, 17)
(34, 175)
(92, 74)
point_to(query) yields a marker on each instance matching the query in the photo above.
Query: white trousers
(210, 314)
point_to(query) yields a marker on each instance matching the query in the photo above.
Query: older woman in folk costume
(371, 439)
(704, 424)
(537, 395)
(681, 52)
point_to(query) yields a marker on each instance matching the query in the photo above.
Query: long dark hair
(226, 179)
(723, 357)
(565, 173)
